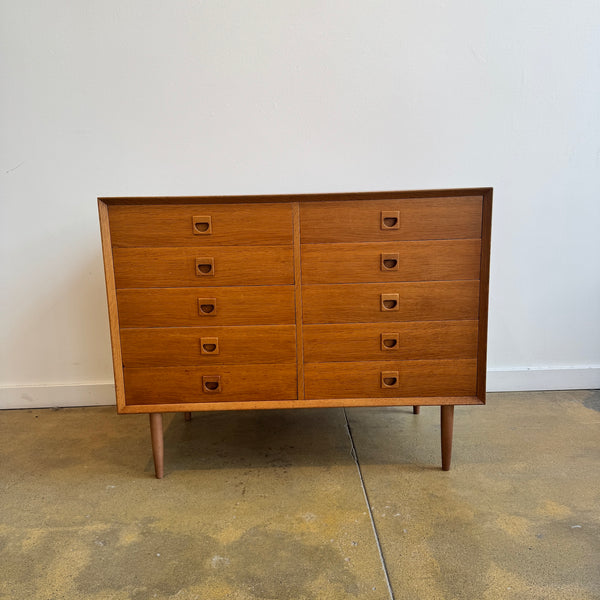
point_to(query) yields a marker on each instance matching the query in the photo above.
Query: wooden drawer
(181, 307)
(395, 261)
(405, 378)
(210, 266)
(180, 346)
(201, 224)
(366, 303)
(219, 383)
(390, 341)
(410, 219)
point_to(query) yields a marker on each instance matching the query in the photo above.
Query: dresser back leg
(416, 410)
(447, 422)
(187, 416)
(156, 433)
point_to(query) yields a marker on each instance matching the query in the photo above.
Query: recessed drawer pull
(205, 266)
(202, 225)
(390, 219)
(211, 384)
(209, 345)
(390, 379)
(389, 261)
(389, 341)
(207, 307)
(390, 302)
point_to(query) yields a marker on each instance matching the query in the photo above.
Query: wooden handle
(390, 341)
(205, 266)
(209, 345)
(202, 225)
(390, 379)
(389, 261)
(211, 384)
(390, 302)
(207, 307)
(390, 219)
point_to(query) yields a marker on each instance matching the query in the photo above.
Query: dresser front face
(298, 301)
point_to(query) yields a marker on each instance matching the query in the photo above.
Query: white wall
(218, 97)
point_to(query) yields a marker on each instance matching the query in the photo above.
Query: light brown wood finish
(172, 225)
(113, 312)
(177, 307)
(214, 404)
(181, 346)
(241, 383)
(158, 452)
(410, 267)
(415, 340)
(416, 378)
(176, 267)
(486, 234)
(298, 300)
(417, 261)
(447, 427)
(420, 219)
(361, 303)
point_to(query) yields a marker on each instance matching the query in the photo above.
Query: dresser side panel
(111, 296)
(484, 279)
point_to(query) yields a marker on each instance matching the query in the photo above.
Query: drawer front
(181, 346)
(390, 379)
(388, 302)
(206, 307)
(219, 383)
(390, 341)
(203, 267)
(397, 261)
(201, 225)
(391, 220)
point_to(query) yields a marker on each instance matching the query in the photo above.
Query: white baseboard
(52, 396)
(100, 394)
(536, 379)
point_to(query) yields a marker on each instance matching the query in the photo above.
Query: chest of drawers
(316, 300)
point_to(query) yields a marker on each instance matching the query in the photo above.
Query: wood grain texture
(178, 307)
(176, 267)
(181, 346)
(417, 261)
(232, 225)
(285, 198)
(447, 428)
(361, 342)
(239, 383)
(416, 378)
(113, 313)
(486, 239)
(158, 446)
(134, 409)
(298, 300)
(361, 303)
(420, 219)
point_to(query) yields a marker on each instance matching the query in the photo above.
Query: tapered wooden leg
(156, 433)
(187, 416)
(447, 422)
(416, 410)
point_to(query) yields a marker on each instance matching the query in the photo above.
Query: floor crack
(366, 496)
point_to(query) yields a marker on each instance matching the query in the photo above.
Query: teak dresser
(312, 300)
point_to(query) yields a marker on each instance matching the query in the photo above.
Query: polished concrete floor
(272, 505)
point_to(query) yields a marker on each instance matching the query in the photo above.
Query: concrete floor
(270, 505)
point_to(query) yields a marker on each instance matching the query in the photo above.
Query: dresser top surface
(380, 195)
